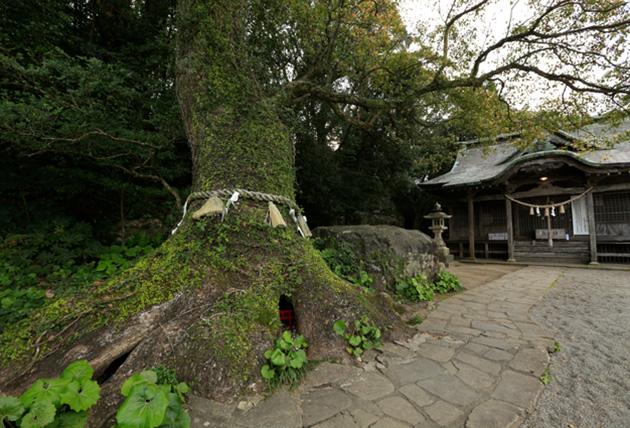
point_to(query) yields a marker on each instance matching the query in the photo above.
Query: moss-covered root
(205, 305)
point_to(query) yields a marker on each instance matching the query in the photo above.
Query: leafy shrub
(17, 303)
(286, 361)
(446, 282)
(151, 400)
(120, 257)
(57, 402)
(149, 403)
(416, 288)
(360, 336)
(55, 261)
(363, 279)
(343, 262)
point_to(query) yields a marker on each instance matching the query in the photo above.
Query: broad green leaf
(44, 390)
(40, 415)
(339, 327)
(286, 336)
(70, 420)
(11, 408)
(176, 416)
(268, 353)
(78, 371)
(354, 340)
(267, 372)
(81, 396)
(298, 359)
(147, 376)
(145, 407)
(278, 358)
(283, 344)
(300, 342)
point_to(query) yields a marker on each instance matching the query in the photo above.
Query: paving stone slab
(483, 364)
(340, 421)
(443, 413)
(432, 324)
(369, 386)
(477, 348)
(509, 345)
(399, 408)
(450, 367)
(391, 349)
(498, 355)
(281, 410)
(206, 412)
(436, 352)
(416, 395)
(388, 422)
(329, 374)
(494, 414)
(493, 327)
(533, 361)
(363, 418)
(451, 389)
(458, 321)
(321, 404)
(474, 377)
(518, 389)
(464, 331)
(420, 368)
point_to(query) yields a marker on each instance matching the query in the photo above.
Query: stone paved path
(475, 362)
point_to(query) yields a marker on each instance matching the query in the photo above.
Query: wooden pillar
(590, 209)
(471, 226)
(549, 236)
(510, 230)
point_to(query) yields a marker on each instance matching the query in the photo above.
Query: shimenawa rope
(234, 194)
(556, 204)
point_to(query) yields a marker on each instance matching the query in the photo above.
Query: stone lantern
(438, 226)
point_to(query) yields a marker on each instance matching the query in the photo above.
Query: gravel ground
(588, 312)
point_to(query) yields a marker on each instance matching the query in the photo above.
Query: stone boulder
(387, 253)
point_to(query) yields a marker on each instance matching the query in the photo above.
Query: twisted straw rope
(248, 194)
(226, 193)
(557, 204)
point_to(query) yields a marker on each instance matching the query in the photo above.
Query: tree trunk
(205, 304)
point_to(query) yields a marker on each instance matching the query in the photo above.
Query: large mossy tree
(206, 302)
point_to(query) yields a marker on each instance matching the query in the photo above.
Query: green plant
(546, 378)
(120, 257)
(343, 262)
(360, 336)
(17, 303)
(416, 288)
(363, 279)
(415, 320)
(446, 282)
(286, 361)
(153, 401)
(556, 347)
(56, 261)
(55, 402)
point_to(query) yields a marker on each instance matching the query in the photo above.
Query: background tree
(89, 123)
